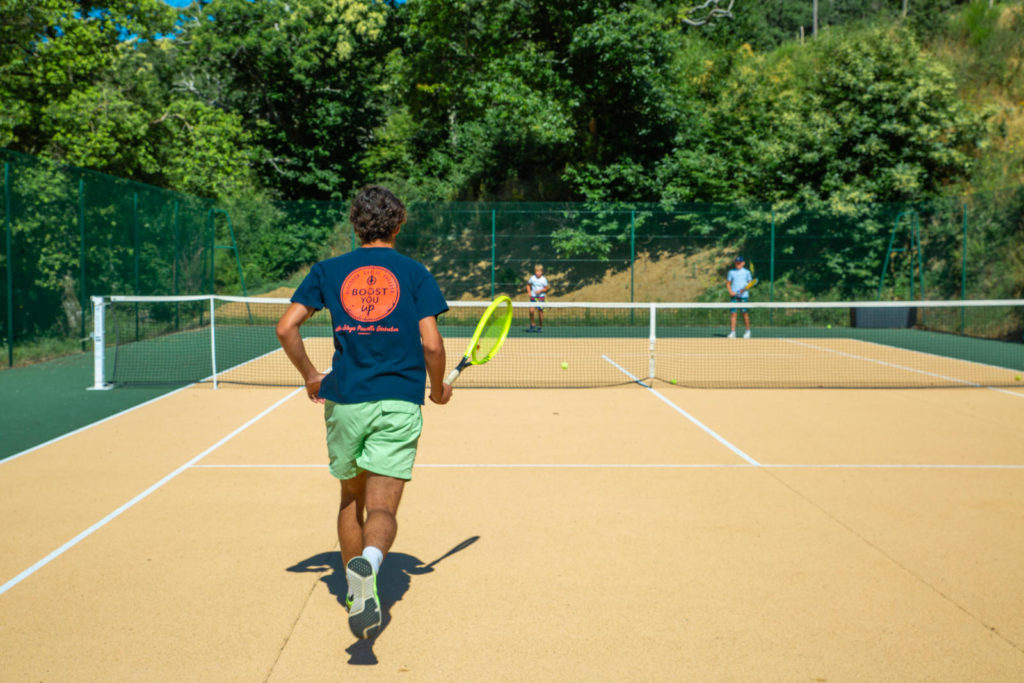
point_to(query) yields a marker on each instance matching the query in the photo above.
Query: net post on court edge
(99, 307)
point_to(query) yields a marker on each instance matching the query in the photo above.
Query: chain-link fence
(70, 233)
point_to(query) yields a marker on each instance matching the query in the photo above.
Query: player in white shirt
(537, 289)
(737, 281)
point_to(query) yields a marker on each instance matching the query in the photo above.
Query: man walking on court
(738, 281)
(384, 309)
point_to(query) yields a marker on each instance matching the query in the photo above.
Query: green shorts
(377, 436)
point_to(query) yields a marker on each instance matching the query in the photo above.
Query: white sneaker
(746, 335)
(731, 335)
(364, 614)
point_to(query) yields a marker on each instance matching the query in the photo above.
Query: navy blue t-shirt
(377, 298)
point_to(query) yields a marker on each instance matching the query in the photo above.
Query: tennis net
(179, 340)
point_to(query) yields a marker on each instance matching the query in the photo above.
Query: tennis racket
(752, 282)
(487, 339)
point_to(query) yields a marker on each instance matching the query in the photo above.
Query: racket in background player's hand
(487, 339)
(752, 282)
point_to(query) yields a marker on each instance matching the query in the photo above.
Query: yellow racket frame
(470, 358)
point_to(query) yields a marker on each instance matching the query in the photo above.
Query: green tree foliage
(92, 85)
(594, 101)
(479, 101)
(865, 117)
(303, 76)
(627, 111)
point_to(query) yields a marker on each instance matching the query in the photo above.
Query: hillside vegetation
(513, 99)
(278, 111)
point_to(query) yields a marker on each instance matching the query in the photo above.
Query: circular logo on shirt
(369, 293)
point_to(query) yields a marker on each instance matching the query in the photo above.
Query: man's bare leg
(383, 494)
(350, 517)
(379, 498)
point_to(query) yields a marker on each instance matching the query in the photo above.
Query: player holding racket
(384, 309)
(739, 282)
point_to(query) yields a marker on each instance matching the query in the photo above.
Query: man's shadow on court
(393, 581)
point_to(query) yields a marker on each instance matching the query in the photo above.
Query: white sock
(374, 556)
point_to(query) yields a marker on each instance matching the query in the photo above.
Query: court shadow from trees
(393, 581)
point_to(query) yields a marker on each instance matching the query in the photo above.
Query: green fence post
(632, 261)
(213, 248)
(888, 252)
(135, 242)
(920, 264)
(771, 271)
(176, 221)
(176, 226)
(632, 254)
(81, 253)
(494, 265)
(920, 258)
(10, 266)
(135, 249)
(963, 270)
(913, 249)
(233, 247)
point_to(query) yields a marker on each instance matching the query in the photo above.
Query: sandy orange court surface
(608, 534)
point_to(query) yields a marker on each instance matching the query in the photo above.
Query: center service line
(715, 435)
(131, 503)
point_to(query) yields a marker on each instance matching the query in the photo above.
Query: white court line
(902, 367)
(647, 466)
(131, 503)
(715, 435)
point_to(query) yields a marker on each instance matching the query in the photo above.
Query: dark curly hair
(376, 214)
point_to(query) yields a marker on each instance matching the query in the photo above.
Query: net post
(99, 307)
(650, 350)
(213, 344)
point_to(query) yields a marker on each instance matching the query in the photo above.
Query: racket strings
(493, 330)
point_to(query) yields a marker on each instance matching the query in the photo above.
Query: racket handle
(450, 379)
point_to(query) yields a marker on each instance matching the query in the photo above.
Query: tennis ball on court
(565, 366)
(671, 381)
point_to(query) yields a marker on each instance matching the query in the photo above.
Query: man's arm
(434, 356)
(291, 342)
